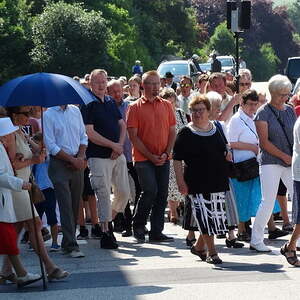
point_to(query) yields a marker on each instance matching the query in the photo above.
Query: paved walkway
(164, 271)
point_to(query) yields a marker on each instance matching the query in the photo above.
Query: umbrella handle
(38, 246)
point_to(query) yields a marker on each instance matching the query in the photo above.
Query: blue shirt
(127, 144)
(105, 116)
(41, 177)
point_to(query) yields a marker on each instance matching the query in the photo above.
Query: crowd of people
(215, 154)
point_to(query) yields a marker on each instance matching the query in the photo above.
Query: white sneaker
(28, 279)
(260, 248)
(76, 254)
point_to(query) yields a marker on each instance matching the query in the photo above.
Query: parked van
(292, 70)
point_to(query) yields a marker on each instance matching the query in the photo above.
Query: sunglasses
(25, 113)
(185, 85)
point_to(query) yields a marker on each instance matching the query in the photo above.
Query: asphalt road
(164, 271)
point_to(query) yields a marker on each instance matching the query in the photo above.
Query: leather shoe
(260, 248)
(277, 233)
(107, 241)
(139, 235)
(127, 233)
(160, 238)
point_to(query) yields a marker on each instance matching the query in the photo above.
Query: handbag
(247, 169)
(35, 193)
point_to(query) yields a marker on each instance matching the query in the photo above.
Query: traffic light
(245, 16)
(238, 15)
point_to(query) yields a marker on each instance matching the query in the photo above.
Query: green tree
(14, 41)
(222, 40)
(68, 39)
(263, 63)
(294, 13)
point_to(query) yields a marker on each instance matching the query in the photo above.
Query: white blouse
(241, 128)
(8, 182)
(296, 152)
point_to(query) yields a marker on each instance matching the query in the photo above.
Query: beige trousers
(105, 174)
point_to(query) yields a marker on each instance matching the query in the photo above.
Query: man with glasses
(151, 127)
(185, 96)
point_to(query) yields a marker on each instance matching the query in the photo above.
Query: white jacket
(8, 182)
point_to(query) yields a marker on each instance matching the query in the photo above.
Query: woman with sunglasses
(22, 158)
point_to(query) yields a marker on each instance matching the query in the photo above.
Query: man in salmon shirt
(151, 128)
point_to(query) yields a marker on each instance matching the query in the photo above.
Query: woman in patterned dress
(174, 197)
(205, 177)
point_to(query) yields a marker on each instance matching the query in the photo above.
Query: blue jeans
(154, 182)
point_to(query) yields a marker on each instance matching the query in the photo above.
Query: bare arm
(178, 168)
(123, 132)
(244, 146)
(171, 139)
(262, 131)
(228, 110)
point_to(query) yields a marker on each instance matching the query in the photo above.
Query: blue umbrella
(44, 89)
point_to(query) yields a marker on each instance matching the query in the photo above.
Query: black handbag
(247, 169)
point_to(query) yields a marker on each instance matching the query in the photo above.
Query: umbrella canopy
(44, 89)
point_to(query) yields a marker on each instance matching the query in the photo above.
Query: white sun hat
(7, 127)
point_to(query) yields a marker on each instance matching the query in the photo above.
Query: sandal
(11, 278)
(292, 260)
(190, 243)
(57, 274)
(214, 259)
(201, 253)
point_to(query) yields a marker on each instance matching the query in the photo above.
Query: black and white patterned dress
(173, 193)
(206, 175)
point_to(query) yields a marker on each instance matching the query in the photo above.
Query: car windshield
(294, 68)
(226, 62)
(175, 69)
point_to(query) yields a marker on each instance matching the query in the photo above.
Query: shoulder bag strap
(249, 128)
(282, 126)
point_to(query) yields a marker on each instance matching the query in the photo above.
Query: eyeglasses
(194, 111)
(25, 113)
(244, 83)
(185, 85)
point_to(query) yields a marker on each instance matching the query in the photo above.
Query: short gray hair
(279, 82)
(245, 73)
(214, 97)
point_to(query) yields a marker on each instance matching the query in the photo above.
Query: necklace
(206, 128)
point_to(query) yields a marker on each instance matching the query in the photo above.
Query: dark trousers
(125, 219)
(68, 186)
(154, 182)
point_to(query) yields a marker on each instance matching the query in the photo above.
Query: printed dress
(173, 193)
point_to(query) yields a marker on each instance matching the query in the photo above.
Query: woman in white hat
(8, 235)
(22, 160)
